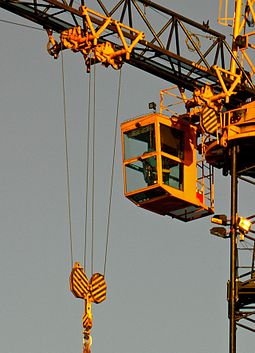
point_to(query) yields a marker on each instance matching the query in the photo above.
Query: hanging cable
(112, 173)
(87, 176)
(93, 173)
(67, 161)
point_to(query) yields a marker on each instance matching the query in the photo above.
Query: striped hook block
(93, 290)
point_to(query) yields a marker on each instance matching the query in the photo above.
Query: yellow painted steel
(79, 283)
(86, 42)
(97, 288)
(87, 319)
(209, 120)
(223, 18)
(243, 33)
(236, 32)
(236, 126)
(91, 291)
(227, 91)
(187, 197)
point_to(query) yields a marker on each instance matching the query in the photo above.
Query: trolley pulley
(87, 42)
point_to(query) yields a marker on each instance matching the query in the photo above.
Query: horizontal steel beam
(161, 56)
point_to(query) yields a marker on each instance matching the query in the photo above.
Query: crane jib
(154, 55)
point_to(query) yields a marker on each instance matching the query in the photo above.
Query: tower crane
(214, 82)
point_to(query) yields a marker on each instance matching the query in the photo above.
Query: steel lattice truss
(175, 48)
(245, 309)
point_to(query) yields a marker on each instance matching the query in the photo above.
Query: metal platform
(218, 156)
(236, 127)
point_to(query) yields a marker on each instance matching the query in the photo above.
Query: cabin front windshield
(139, 141)
(141, 174)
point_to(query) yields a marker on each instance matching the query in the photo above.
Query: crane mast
(216, 89)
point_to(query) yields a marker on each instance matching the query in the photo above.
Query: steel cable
(112, 173)
(67, 160)
(87, 175)
(93, 174)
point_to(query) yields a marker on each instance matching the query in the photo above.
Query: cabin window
(141, 174)
(172, 141)
(139, 141)
(172, 173)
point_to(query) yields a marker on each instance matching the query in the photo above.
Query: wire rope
(87, 176)
(67, 159)
(112, 173)
(93, 173)
(87, 166)
(90, 151)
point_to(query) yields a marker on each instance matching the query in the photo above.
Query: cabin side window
(172, 144)
(172, 173)
(172, 141)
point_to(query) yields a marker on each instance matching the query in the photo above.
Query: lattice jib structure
(175, 48)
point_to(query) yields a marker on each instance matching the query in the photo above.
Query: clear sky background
(166, 279)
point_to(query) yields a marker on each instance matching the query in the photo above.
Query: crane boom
(162, 52)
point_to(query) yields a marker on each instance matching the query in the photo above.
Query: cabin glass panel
(172, 173)
(141, 174)
(139, 141)
(172, 141)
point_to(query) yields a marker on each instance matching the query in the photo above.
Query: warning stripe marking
(86, 322)
(209, 120)
(79, 283)
(98, 288)
(82, 288)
